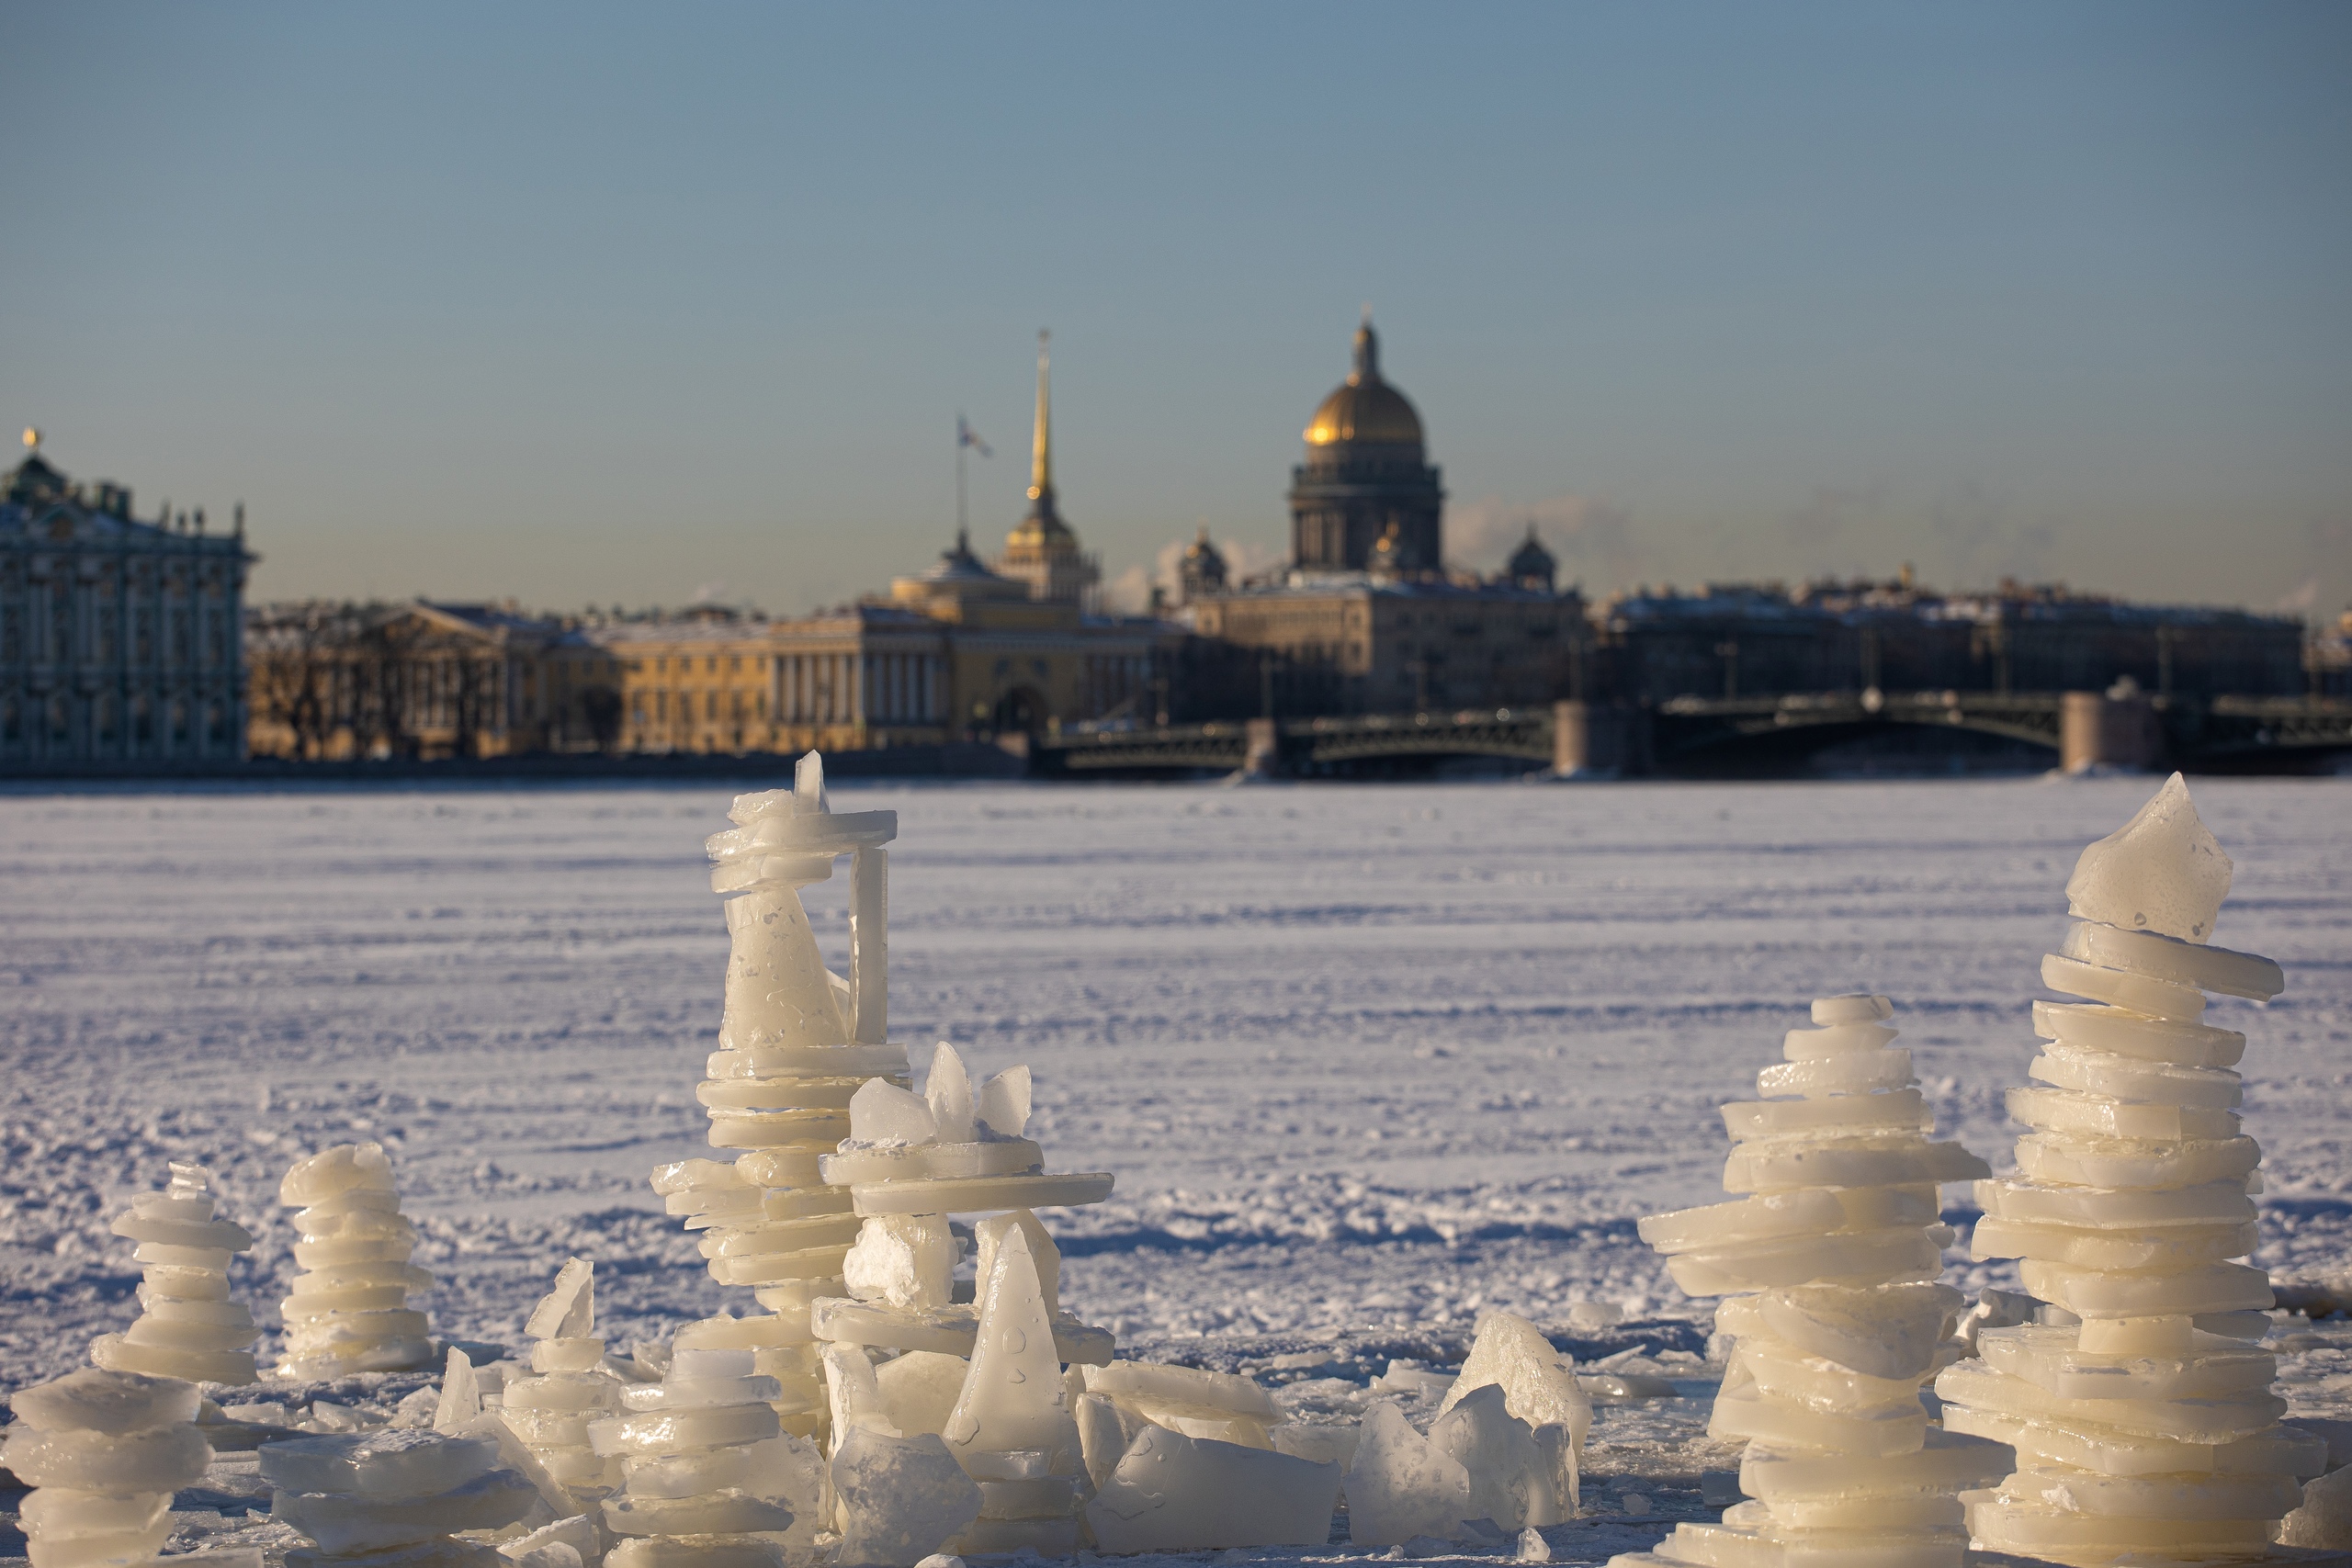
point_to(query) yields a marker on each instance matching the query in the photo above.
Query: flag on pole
(966, 436)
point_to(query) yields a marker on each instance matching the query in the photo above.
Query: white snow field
(1363, 1058)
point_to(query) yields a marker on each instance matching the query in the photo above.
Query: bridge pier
(2116, 730)
(1263, 756)
(1593, 738)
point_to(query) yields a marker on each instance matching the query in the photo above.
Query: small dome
(1364, 410)
(1532, 560)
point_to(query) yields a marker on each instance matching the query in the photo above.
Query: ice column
(702, 1458)
(2139, 1403)
(103, 1451)
(551, 1410)
(1837, 1249)
(348, 1311)
(796, 1042)
(189, 1327)
(394, 1498)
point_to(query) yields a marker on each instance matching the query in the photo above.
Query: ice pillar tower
(1837, 1249)
(796, 1042)
(2140, 1404)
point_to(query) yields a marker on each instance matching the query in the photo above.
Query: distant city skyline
(590, 305)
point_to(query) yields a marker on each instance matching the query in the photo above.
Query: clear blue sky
(617, 303)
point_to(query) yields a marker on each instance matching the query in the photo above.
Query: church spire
(1041, 459)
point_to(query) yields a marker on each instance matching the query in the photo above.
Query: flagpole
(961, 526)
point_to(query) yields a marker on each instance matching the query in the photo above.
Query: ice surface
(1171, 1492)
(1399, 1485)
(1590, 968)
(2162, 872)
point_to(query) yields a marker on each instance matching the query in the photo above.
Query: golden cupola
(1363, 410)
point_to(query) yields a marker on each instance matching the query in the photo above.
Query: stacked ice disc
(1838, 1247)
(394, 1498)
(909, 1163)
(348, 1309)
(190, 1328)
(2140, 1402)
(569, 1387)
(704, 1470)
(104, 1451)
(796, 1043)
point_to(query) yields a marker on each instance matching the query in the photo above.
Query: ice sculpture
(710, 1478)
(190, 1328)
(392, 1499)
(550, 1411)
(348, 1310)
(1836, 1249)
(103, 1450)
(2139, 1403)
(909, 1162)
(796, 1043)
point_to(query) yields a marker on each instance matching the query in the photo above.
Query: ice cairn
(393, 1498)
(188, 1327)
(796, 1042)
(568, 1390)
(103, 1450)
(711, 1479)
(1830, 1266)
(348, 1311)
(2139, 1403)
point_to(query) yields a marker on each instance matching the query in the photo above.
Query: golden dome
(1365, 409)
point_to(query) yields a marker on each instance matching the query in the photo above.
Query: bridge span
(1728, 737)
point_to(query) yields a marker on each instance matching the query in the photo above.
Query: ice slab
(115, 1404)
(1187, 1390)
(1946, 1461)
(919, 1388)
(2171, 959)
(1512, 1481)
(2095, 1026)
(1799, 1212)
(159, 1458)
(396, 1462)
(346, 1523)
(964, 1197)
(1171, 1492)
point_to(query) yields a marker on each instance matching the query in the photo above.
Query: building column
(2101, 729)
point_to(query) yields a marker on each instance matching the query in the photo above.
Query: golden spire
(33, 439)
(1041, 459)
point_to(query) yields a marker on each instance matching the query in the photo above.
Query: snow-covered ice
(1364, 1060)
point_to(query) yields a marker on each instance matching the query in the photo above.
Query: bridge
(1728, 736)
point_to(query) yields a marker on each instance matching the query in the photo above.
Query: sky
(604, 304)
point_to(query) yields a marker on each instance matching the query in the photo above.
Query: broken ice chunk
(1171, 1493)
(1183, 1391)
(335, 1170)
(569, 1310)
(1003, 1104)
(920, 1389)
(1509, 1482)
(948, 1093)
(901, 1499)
(882, 1113)
(2162, 871)
(905, 1260)
(1013, 1403)
(1539, 1386)
(1399, 1486)
(1043, 1253)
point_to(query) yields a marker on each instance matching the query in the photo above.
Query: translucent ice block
(2092, 1027)
(1171, 1493)
(113, 1402)
(2160, 872)
(395, 1463)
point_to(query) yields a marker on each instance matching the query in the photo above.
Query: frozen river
(1359, 1055)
